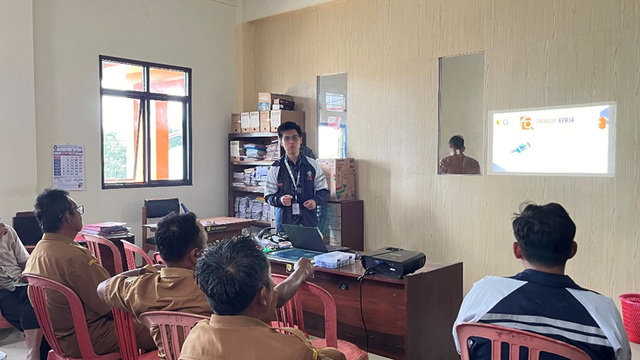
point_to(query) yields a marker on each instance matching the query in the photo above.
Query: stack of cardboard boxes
(273, 110)
(341, 180)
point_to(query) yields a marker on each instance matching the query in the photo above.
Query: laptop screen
(303, 237)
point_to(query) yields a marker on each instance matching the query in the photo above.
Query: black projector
(393, 262)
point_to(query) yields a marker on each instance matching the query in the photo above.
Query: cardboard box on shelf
(265, 126)
(265, 100)
(235, 118)
(255, 119)
(236, 148)
(236, 128)
(280, 116)
(245, 122)
(341, 178)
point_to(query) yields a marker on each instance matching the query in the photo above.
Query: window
(145, 121)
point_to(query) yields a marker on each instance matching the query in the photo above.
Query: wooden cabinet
(343, 224)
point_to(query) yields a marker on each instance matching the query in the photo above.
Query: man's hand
(310, 204)
(305, 266)
(3, 230)
(286, 200)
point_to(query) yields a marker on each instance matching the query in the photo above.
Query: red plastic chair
(516, 339)
(172, 325)
(127, 337)
(130, 251)
(93, 244)
(157, 259)
(4, 324)
(290, 315)
(37, 287)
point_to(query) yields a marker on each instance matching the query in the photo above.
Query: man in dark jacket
(296, 185)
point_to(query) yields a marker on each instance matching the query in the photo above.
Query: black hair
(49, 207)
(457, 141)
(289, 125)
(545, 233)
(176, 235)
(230, 273)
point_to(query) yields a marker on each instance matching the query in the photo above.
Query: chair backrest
(173, 326)
(157, 208)
(516, 339)
(291, 314)
(126, 334)
(157, 259)
(130, 251)
(27, 227)
(37, 287)
(94, 242)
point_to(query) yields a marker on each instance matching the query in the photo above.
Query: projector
(393, 262)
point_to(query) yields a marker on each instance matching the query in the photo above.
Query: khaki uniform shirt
(242, 337)
(170, 289)
(12, 253)
(460, 164)
(59, 258)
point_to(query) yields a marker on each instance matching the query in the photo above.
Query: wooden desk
(409, 318)
(218, 227)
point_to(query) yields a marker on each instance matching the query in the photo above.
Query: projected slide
(572, 140)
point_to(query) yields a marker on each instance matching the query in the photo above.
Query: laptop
(309, 238)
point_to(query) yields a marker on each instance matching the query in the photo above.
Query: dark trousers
(16, 308)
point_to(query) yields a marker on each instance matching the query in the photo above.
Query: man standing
(542, 299)
(14, 302)
(296, 184)
(59, 258)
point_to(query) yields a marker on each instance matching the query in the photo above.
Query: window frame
(146, 97)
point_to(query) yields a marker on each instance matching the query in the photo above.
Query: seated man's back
(547, 304)
(60, 259)
(243, 337)
(542, 299)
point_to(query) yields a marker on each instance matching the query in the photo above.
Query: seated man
(180, 240)
(58, 257)
(235, 277)
(542, 299)
(14, 303)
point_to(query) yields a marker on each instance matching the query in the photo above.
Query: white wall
(68, 37)
(17, 109)
(255, 9)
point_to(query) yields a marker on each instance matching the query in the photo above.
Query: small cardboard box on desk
(341, 178)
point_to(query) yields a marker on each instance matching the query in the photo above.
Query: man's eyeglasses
(291, 138)
(79, 209)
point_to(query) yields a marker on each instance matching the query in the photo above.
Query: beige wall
(17, 109)
(538, 53)
(68, 37)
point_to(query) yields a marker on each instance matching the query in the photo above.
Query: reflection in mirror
(332, 116)
(461, 144)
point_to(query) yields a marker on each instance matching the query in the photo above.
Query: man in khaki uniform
(180, 240)
(235, 277)
(58, 257)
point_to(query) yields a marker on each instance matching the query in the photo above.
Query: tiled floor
(12, 343)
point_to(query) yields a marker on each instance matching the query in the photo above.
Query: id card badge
(295, 207)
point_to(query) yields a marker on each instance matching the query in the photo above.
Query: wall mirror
(332, 116)
(461, 110)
